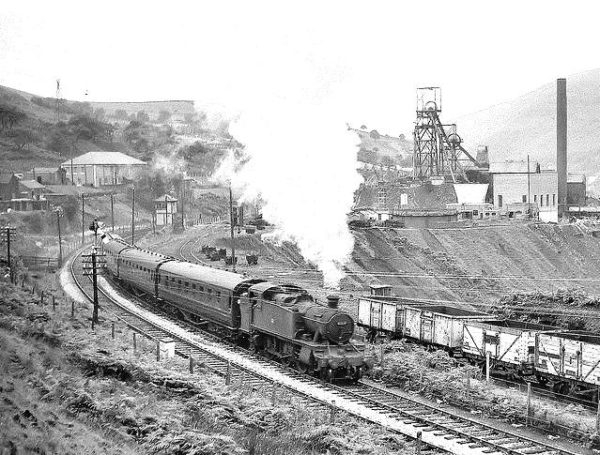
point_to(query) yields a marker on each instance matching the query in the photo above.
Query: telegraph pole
(112, 212)
(7, 233)
(133, 216)
(82, 218)
(94, 272)
(95, 284)
(166, 206)
(182, 196)
(60, 256)
(231, 222)
(528, 188)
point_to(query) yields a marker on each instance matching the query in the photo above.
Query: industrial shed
(102, 168)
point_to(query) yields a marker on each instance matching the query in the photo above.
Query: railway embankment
(68, 389)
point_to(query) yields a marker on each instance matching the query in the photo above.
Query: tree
(164, 116)
(23, 138)
(189, 117)
(133, 134)
(10, 116)
(86, 127)
(121, 114)
(99, 114)
(59, 143)
(141, 116)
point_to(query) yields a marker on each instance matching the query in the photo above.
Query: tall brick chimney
(561, 144)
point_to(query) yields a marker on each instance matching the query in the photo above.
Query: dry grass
(435, 375)
(67, 390)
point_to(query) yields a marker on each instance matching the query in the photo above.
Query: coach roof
(208, 275)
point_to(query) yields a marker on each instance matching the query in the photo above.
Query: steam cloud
(301, 161)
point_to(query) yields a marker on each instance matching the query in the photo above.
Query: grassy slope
(65, 389)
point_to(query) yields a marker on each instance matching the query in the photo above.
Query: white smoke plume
(302, 163)
(170, 165)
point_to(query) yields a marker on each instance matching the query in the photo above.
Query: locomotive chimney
(333, 301)
(561, 144)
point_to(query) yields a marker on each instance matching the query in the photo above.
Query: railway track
(439, 429)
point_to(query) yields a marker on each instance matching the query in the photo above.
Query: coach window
(218, 294)
(187, 284)
(193, 286)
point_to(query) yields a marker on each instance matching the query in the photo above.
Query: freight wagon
(510, 344)
(570, 359)
(394, 317)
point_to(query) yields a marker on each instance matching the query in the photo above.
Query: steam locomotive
(283, 322)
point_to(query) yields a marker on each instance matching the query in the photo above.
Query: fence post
(332, 412)
(158, 351)
(598, 413)
(42, 298)
(487, 366)
(53, 302)
(112, 332)
(191, 364)
(228, 374)
(468, 381)
(418, 447)
(134, 341)
(528, 403)
(72, 309)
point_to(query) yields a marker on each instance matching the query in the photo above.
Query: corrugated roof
(31, 184)
(104, 158)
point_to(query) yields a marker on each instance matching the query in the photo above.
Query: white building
(164, 209)
(102, 168)
(513, 184)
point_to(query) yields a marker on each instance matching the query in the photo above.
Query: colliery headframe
(438, 151)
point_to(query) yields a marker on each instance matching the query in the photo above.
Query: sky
(364, 58)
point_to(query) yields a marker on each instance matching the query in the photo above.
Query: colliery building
(515, 183)
(102, 169)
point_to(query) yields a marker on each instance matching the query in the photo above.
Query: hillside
(34, 133)
(527, 124)
(152, 108)
(376, 148)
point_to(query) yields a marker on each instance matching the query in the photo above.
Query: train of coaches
(285, 322)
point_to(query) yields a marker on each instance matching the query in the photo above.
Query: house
(31, 189)
(513, 183)
(164, 209)
(9, 186)
(47, 175)
(102, 168)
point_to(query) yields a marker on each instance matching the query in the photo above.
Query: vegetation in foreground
(65, 389)
(436, 375)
